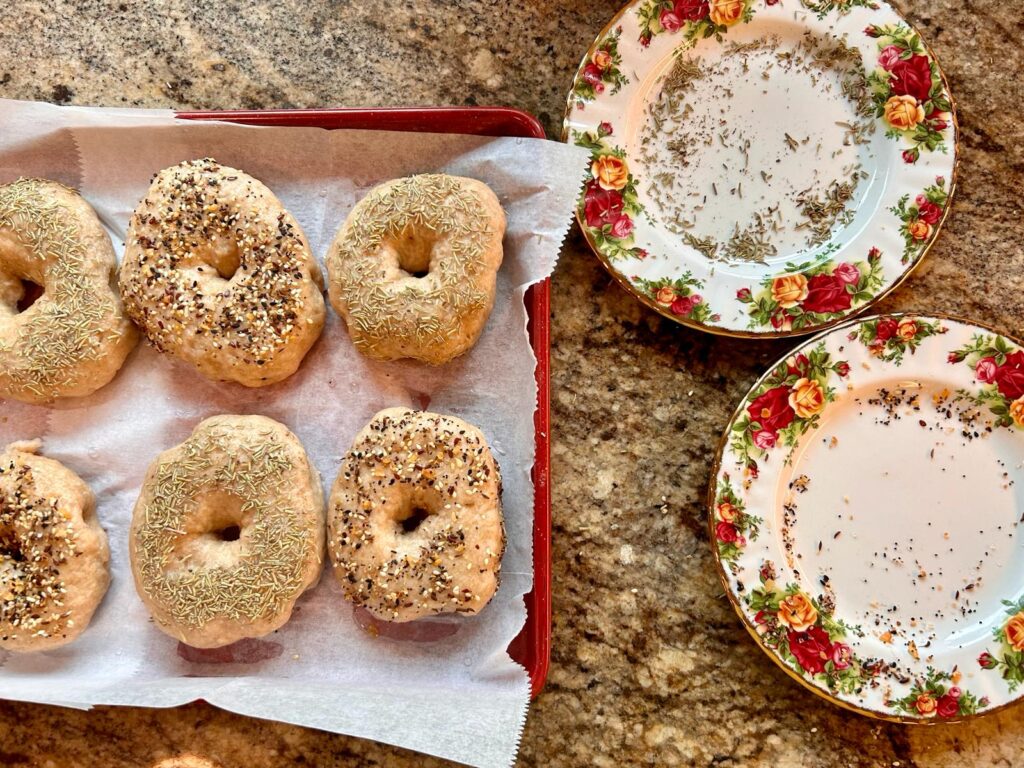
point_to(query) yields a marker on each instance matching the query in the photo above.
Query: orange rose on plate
(726, 12)
(1017, 411)
(907, 329)
(919, 229)
(925, 704)
(665, 296)
(727, 512)
(797, 612)
(790, 290)
(601, 58)
(1015, 631)
(807, 398)
(611, 172)
(903, 112)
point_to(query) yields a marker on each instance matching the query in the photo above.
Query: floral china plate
(866, 513)
(762, 167)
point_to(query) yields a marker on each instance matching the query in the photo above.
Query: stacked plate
(766, 169)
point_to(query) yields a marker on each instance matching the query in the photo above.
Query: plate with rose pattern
(866, 515)
(762, 167)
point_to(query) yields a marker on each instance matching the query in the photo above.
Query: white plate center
(910, 515)
(757, 149)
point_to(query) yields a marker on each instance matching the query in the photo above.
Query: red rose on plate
(874, 254)
(910, 156)
(843, 369)
(912, 77)
(605, 128)
(692, 10)
(1009, 377)
(765, 439)
(772, 409)
(826, 293)
(811, 649)
(985, 370)
(947, 706)
(726, 532)
(886, 329)
(889, 56)
(781, 321)
(939, 125)
(842, 654)
(744, 295)
(798, 364)
(847, 272)
(601, 206)
(670, 22)
(930, 212)
(622, 226)
(682, 306)
(986, 660)
(592, 74)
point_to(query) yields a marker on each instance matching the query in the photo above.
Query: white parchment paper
(444, 686)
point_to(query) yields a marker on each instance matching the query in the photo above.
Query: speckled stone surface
(650, 665)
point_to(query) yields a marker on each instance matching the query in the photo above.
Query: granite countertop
(650, 665)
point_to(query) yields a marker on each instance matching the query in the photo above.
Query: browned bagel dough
(75, 337)
(448, 229)
(415, 467)
(53, 552)
(228, 531)
(216, 272)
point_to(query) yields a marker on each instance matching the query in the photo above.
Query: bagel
(75, 337)
(415, 525)
(412, 270)
(53, 553)
(227, 532)
(217, 273)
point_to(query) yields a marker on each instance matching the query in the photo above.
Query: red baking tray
(532, 648)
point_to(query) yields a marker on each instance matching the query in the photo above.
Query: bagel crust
(217, 273)
(246, 474)
(53, 553)
(413, 268)
(424, 467)
(75, 337)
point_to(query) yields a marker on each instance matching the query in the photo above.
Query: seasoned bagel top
(75, 336)
(218, 273)
(413, 268)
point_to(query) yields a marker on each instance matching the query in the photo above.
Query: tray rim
(532, 647)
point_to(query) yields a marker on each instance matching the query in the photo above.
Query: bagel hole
(411, 523)
(220, 517)
(215, 532)
(229, 533)
(223, 256)
(9, 546)
(414, 249)
(30, 294)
